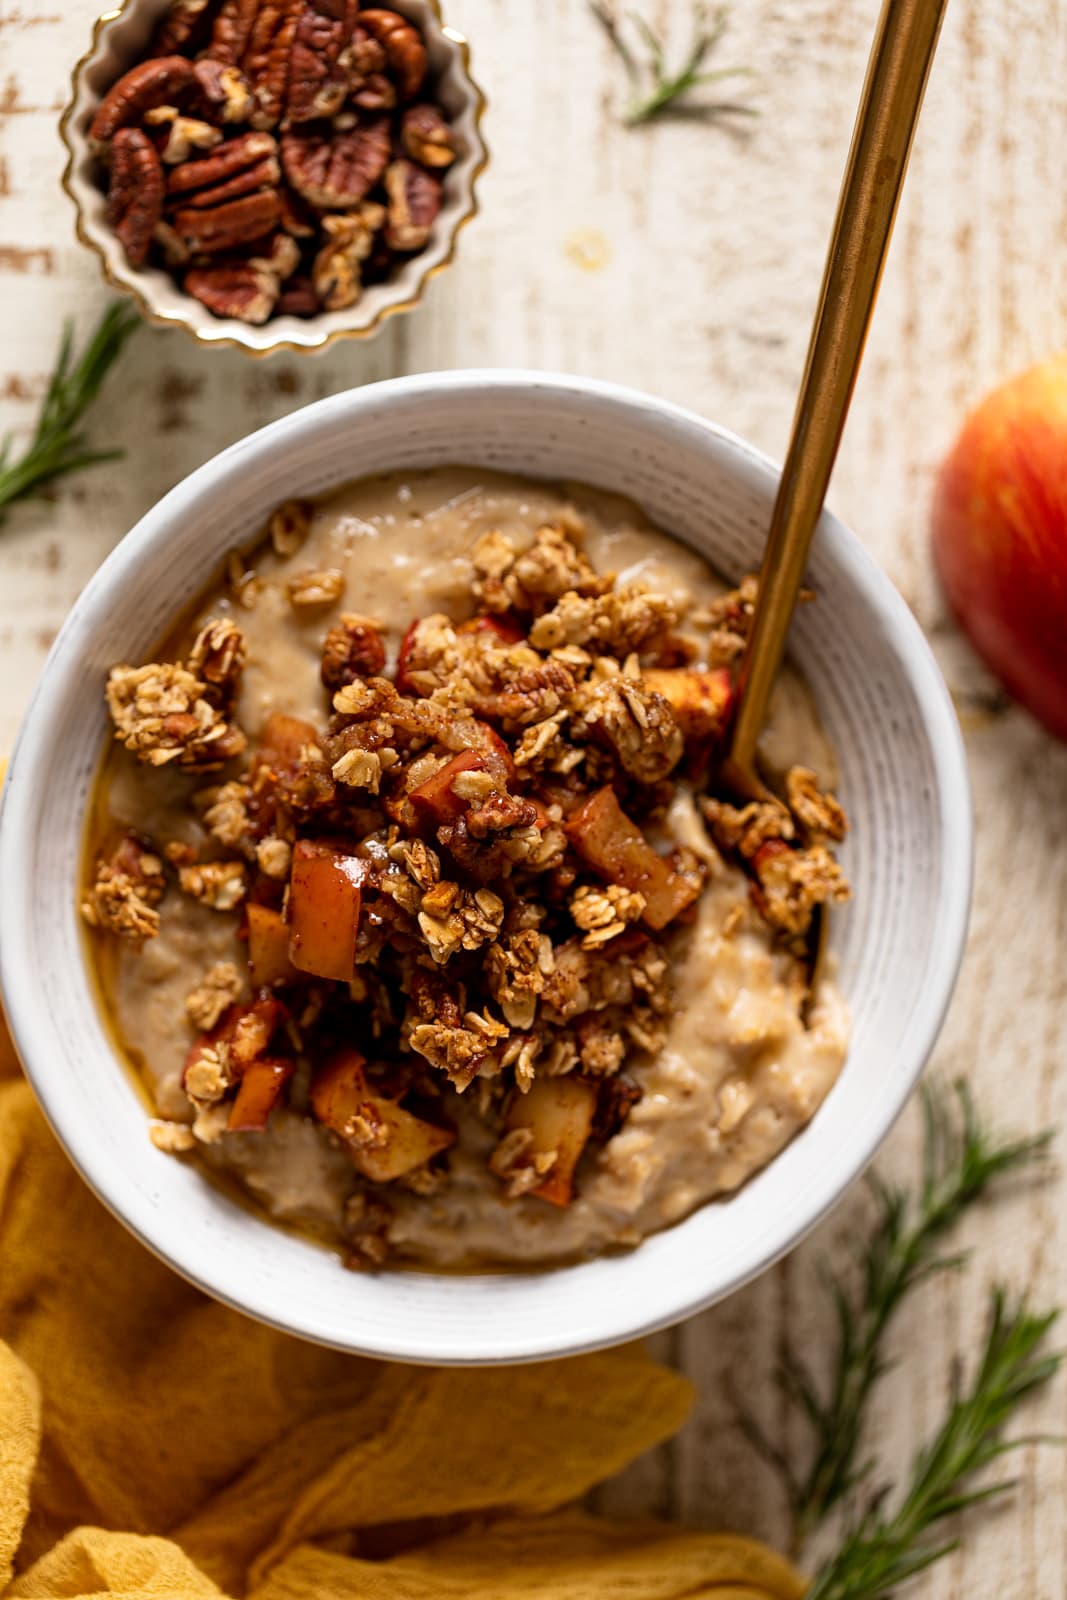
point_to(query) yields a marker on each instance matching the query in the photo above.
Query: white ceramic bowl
(118, 40)
(898, 944)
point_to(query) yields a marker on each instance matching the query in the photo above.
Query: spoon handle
(899, 65)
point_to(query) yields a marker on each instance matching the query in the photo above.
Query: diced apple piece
(268, 947)
(341, 1098)
(436, 801)
(700, 700)
(324, 906)
(283, 738)
(607, 840)
(259, 1092)
(559, 1112)
(407, 645)
(497, 755)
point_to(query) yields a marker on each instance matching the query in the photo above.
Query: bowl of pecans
(423, 931)
(273, 174)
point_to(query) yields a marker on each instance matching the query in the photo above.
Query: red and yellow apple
(1000, 536)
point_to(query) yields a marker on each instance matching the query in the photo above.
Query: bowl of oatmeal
(378, 904)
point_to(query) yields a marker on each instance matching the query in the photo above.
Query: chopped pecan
(426, 137)
(223, 92)
(352, 649)
(234, 289)
(279, 254)
(183, 134)
(318, 77)
(604, 911)
(403, 47)
(218, 657)
(179, 26)
(135, 193)
(819, 814)
(211, 231)
(315, 587)
(336, 271)
(218, 884)
(128, 885)
(414, 201)
(617, 1097)
(336, 170)
(160, 81)
(214, 994)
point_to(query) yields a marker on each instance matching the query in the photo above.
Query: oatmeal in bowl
(430, 924)
(81, 1000)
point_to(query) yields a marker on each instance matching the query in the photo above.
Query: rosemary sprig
(654, 87)
(961, 1160)
(884, 1549)
(58, 445)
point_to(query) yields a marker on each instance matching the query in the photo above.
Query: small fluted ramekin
(119, 39)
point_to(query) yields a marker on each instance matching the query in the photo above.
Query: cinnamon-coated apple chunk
(614, 846)
(699, 700)
(324, 905)
(258, 1093)
(268, 947)
(384, 1139)
(559, 1113)
(436, 801)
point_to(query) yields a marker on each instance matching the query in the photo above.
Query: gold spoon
(899, 65)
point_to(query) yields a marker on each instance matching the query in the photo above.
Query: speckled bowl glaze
(118, 40)
(897, 945)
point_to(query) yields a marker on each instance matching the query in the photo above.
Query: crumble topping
(465, 876)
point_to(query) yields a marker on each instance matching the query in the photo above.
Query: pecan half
(266, 60)
(223, 92)
(232, 31)
(318, 76)
(297, 217)
(402, 45)
(157, 82)
(179, 26)
(260, 175)
(234, 289)
(336, 170)
(227, 161)
(426, 137)
(375, 93)
(209, 231)
(135, 194)
(414, 201)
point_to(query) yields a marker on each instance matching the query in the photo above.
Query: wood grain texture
(684, 258)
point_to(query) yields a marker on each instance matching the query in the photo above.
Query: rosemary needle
(58, 445)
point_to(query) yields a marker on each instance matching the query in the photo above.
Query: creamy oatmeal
(415, 902)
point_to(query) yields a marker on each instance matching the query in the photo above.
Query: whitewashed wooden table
(684, 258)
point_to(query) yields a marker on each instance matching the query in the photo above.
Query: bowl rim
(415, 1344)
(76, 146)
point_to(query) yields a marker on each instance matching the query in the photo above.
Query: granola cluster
(461, 880)
(275, 156)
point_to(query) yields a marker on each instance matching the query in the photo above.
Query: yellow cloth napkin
(153, 1443)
